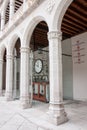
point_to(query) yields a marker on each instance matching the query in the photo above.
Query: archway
(40, 65)
(2, 69)
(16, 68)
(4, 73)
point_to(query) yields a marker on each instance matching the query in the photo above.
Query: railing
(19, 13)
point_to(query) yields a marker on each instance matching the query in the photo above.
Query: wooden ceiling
(74, 22)
(75, 19)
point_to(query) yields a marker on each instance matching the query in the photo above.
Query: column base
(25, 103)
(8, 96)
(57, 114)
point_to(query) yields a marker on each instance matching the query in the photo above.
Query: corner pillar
(56, 112)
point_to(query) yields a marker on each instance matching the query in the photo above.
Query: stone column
(30, 76)
(1, 76)
(56, 112)
(24, 78)
(15, 74)
(12, 8)
(2, 20)
(9, 77)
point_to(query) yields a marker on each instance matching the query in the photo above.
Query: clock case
(35, 63)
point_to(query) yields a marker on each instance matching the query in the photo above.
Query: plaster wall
(67, 69)
(79, 66)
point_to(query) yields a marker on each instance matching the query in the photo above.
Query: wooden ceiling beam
(72, 18)
(76, 14)
(70, 27)
(71, 31)
(70, 34)
(73, 24)
(18, 2)
(77, 7)
(83, 2)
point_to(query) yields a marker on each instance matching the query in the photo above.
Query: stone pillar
(12, 8)
(15, 74)
(9, 77)
(24, 78)
(2, 20)
(30, 76)
(56, 112)
(1, 76)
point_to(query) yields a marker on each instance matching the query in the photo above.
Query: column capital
(9, 57)
(24, 49)
(55, 35)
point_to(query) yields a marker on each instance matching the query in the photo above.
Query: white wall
(80, 69)
(67, 69)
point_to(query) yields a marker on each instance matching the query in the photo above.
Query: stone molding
(54, 35)
(24, 50)
(56, 102)
(9, 57)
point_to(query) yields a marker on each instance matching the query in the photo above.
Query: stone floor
(12, 117)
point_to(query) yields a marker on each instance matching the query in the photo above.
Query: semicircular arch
(30, 28)
(12, 41)
(59, 13)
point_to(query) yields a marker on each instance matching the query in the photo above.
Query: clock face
(38, 66)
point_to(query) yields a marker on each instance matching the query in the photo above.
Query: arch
(30, 28)
(59, 13)
(12, 42)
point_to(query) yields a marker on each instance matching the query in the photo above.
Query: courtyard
(12, 117)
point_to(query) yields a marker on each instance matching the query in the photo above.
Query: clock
(38, 66)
